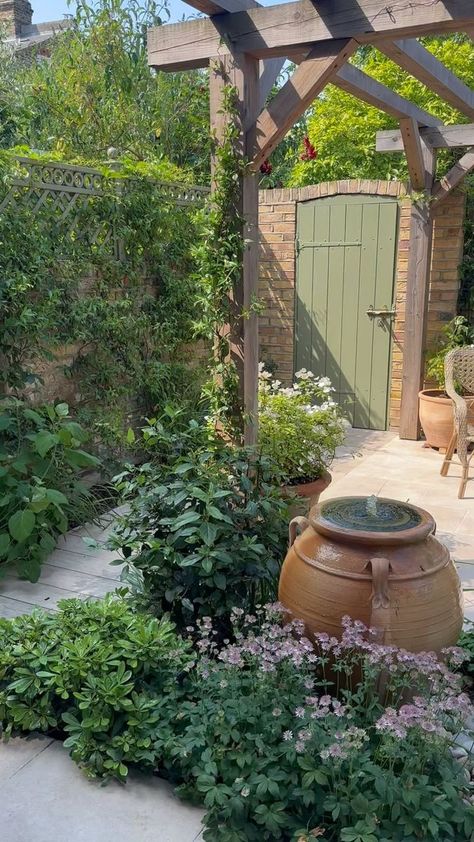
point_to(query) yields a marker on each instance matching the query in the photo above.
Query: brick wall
(277, 271)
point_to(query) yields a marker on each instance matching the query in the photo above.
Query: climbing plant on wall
(126, 316)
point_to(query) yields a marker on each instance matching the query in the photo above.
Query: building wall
(277, 271)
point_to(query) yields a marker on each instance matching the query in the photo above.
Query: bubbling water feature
(370, 514)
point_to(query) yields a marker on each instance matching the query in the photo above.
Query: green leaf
(130, 436)
(6, 421)
(4, 543)
(56, 496)
(33, 416)
(21, 524)
(44, 441)
(208, 533)
(212, 510)
(81, 459)
(62, 410)
(185, 519)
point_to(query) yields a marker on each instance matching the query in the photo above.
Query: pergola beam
(279, 30)
(440, 137)
(454, 176)
(297, 94)
(359, 84)
(416, 60)
(271, 67)
(414, 153)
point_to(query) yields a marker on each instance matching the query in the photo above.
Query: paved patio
(46, 797)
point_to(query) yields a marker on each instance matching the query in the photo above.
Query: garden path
(46, 797)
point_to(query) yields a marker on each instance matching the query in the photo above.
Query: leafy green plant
(252, 728)
(41, 457)
(299, 427)
(203, 534)
(337, 156)
(466, 642)
(457, 333)
(126, 317)
(275, 752)
(95, 672)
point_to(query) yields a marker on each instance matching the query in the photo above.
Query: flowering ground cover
(270, 730)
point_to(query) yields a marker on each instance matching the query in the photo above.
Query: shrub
(41, 457)
(252, 729)
(94, 671)
(457, 333)
(299, 427)
(277, 753)
(203, 535)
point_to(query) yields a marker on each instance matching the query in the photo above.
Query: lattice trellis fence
(65, 188)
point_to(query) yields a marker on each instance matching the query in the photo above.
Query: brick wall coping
(375, 187)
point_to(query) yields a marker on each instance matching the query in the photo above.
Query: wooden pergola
(246, 45)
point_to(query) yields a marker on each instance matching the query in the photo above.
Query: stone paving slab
(46, 798)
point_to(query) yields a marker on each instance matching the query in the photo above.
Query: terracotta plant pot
(309, 491)
(436, 417)
(385, 569)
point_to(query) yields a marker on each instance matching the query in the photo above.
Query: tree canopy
(95, 91)
(342, 128)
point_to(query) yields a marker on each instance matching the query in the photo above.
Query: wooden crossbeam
(414, 152)
(297, 94)
(440, 137)
(354, 81)
(278, 30)
(424, 66)
(271, 67)
(454, 177)
(219, 7)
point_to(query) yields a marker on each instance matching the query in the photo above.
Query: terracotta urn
(306, 494)
(436, 417)
(378, 561)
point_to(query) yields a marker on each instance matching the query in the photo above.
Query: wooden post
(242, 71)
(418, 280)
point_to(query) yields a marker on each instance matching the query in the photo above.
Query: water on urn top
(370, 514)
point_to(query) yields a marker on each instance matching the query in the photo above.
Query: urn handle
(381, 614)
(380, 593)
(295, 524)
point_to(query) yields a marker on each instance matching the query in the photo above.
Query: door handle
(382, 314)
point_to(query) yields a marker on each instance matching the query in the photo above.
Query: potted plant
(299, 429)
(436, 410)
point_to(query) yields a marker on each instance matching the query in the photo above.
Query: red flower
(309, 152)
(266, 167)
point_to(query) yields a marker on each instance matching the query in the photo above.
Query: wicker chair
(459, 372)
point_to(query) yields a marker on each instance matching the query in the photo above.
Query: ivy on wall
(127, 317)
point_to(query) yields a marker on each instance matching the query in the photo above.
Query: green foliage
(203, 534)
(256, 734)
(466, 268)
(299, 427)
(94, 671)
(342, 128)
(265, 743)
(457, 333)
(466, 641)
(125, 315)
(41, 457)
(97, 92)
(219, 256)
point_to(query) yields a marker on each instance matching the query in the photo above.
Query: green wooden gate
(345, 269)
